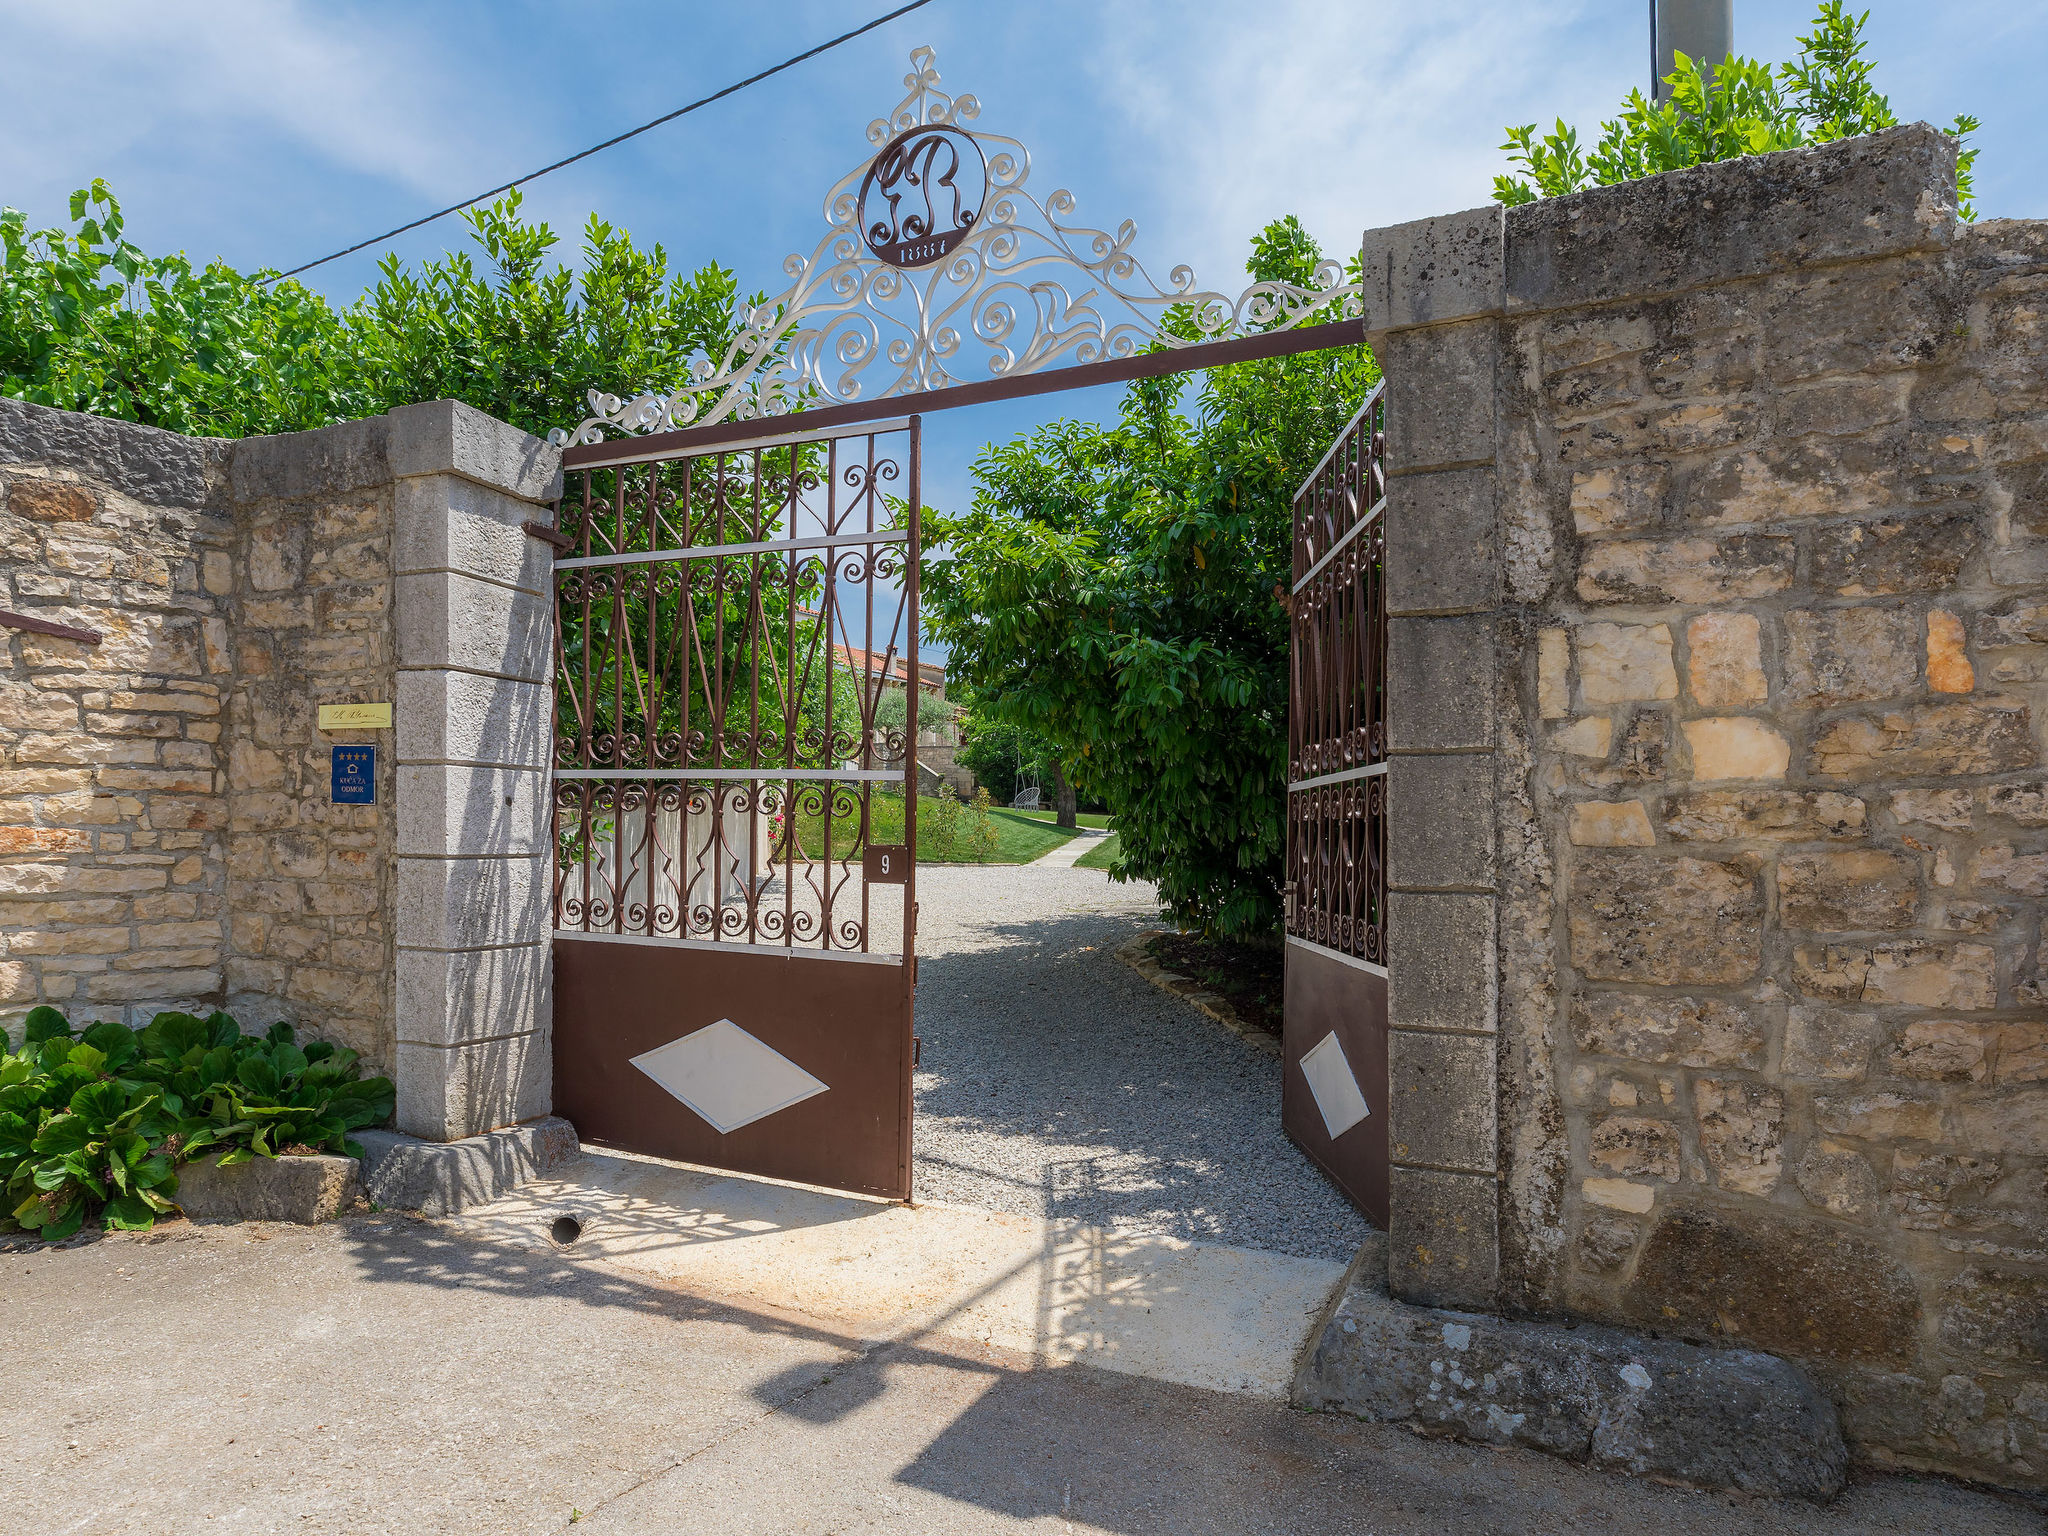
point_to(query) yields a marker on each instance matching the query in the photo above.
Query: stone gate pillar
(474, 620)
(1433, 303)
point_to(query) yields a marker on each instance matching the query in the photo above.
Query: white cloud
(1349, 114)
(96, 84)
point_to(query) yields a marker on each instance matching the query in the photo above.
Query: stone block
(1849, 655)
(1666, 1030)
(1733, 1419)
(1620, 663)
(1776, 1282)
(447, 437)
(1828, 1043)
(1927, 740)
(1948, 655)
(445, 809)
(404, 1173)
(1652, 572)
(1635, 1146)
(1443, 1237)
(1443, 551)
(1941, 1051)
(459, 717)
(1741, 1132)
(1771, 815)
(1433, 270)
(1619, 498)
(1445, 974)
(1610, 824)
(2024, 874)
(1855, 200)
(1997, 1316)
(351, 455)
(1664, 921)
(1440, 395)
(449, 620)
(1847, 890)
(1724, 660)
(471, 903)
(1554, 677)
(1440, 682)
(1440, 1099)
(1442, 835)
(444, 523)
(1953, 977)
(1838, 1179)
(446, 1093)
(455, 997)
(1736, 747)
(1885, 556)
(300, 1189)
(146, 464)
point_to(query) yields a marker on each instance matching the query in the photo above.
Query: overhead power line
(585, 154)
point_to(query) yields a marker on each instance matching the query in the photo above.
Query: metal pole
(1702, 30)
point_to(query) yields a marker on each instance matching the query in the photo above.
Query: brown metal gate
(735, 895)
(1334, 1097)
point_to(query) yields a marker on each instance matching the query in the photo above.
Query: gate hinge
(917, 1050)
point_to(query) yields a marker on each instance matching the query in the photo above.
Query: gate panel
(1334, 1038)
(735, 808)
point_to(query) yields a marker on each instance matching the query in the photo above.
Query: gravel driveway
(1056, 1082)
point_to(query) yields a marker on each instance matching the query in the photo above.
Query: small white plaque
(1335, 1089)
(727, 1076)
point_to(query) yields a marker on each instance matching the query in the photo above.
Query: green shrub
(96, 1123)
(1728, 109)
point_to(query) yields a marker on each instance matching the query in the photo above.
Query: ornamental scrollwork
(941, 264)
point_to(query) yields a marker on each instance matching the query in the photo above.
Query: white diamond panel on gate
(1335, 1087)
(727, 1076)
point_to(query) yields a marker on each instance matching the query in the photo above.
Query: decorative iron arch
(941, 262)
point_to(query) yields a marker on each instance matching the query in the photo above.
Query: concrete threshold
(1199, 1315)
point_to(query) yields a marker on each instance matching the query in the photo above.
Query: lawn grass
(1019, 837)
(1082, 818)
(1099, 856)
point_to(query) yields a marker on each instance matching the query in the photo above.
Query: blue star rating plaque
(355, 775)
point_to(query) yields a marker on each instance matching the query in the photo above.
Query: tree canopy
(1111, 590)
(1738, 107)
(90, 322)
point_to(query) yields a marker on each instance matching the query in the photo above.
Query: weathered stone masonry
(166, 831)
(1718, 550)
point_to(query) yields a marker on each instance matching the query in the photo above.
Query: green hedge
(94, 1124)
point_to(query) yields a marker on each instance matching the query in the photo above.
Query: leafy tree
(1002, 755)
(1746, 108)
(1111, 592)
(89, 322)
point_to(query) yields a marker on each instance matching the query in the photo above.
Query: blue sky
(271, 131)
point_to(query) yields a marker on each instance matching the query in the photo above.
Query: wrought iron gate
(735, 896)
(1334, 1098)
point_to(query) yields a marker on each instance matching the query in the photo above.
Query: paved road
(387, 1375)
(1057, 1082)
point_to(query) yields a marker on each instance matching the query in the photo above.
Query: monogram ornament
(939, 264)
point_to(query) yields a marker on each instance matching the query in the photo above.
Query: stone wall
(112, 767)
(1719, 540)
(167, 831)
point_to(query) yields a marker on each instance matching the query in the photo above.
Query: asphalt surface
(1057, 1082)
(381, 1374)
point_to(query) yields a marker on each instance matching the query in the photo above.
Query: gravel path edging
(1136, 954)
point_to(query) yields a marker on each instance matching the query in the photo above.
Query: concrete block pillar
(474, 732)
(1433, 315)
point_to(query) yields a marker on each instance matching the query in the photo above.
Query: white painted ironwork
(940, 263)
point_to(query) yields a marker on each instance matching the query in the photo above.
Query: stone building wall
(167, 831)
(113, 815)
(1753, 465)
(310, 623)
